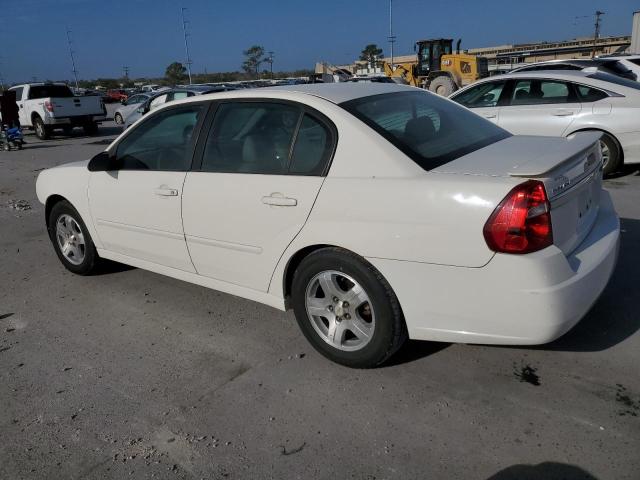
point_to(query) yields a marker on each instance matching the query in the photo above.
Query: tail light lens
(48, 105)
(522, 221)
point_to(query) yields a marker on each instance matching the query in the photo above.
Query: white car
(632, 62)
(561, 103)
(129, 106)
(377, 212)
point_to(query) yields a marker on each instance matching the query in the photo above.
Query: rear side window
(312, 148)
(249, 137)
(429, 129)
(46, 91)
(541, 92)
(590, 94)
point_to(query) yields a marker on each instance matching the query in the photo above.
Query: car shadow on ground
(543, 471)
(614, 317)
(625, 171)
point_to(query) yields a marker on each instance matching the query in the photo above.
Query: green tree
(175, 73)
(254, 57)
(371, 54)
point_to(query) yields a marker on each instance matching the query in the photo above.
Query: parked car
(117, 95)
(129, 106)
(632, 62)
(606, 65)
(49, 106)
(166, 96)
(376, 79)
(561, 103)
(377, 212)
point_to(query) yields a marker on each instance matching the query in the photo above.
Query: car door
(262, 166)
(484, 99)
(539, 106)
(132, 103)
(22, 112)
(137, 207)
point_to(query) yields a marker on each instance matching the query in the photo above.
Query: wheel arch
(603, 130)
(292, 264)
(51, 201)
(35, 115)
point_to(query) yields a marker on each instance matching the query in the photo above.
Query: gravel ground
(129, 374)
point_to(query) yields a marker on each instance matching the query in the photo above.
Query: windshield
(46, 91)
(431, 130)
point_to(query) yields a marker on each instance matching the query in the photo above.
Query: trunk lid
(570, 168)
(75, 106)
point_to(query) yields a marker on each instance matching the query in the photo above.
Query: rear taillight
(522, 221)
(48, 105)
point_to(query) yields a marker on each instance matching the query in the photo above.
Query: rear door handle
(166, 192)
(490, 115)
(563, 113)
(279, 200)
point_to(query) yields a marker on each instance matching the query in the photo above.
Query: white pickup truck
(49, 106)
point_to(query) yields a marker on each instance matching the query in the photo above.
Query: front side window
(541, 92)
(249, 137)
(431, 130)
(484, 95)
(162, 142)
(136, 99)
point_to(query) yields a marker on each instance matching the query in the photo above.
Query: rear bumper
(518, 300)
(76, 120)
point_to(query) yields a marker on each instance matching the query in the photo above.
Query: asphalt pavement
(129, 374)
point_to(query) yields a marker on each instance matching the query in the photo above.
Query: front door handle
(165, 191)
(279, 200)
(563, 113)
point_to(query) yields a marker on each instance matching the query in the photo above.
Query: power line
(186, 44)
(73, 60)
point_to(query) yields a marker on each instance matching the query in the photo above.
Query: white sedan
(561, 103)
(378, 212)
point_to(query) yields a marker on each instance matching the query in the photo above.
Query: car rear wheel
(346, 309)
(611, 157)
(90, 128)
(442, 85)
(71, 239)
(42, 131)
(118, 119)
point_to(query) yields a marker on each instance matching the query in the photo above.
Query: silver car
(561, 103)
(129, 106)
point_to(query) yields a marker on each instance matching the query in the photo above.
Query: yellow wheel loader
(438, 69)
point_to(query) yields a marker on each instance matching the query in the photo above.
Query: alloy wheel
(70, 239)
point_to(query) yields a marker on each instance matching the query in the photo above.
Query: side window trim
(207, 128)
(197, 130)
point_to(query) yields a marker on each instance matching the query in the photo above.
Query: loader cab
(430, 54)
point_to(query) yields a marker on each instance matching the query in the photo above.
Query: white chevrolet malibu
(378, 212)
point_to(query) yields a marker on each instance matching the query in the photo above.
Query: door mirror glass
(102, 162)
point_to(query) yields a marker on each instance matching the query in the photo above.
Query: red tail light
(48, 105)
(522, 221)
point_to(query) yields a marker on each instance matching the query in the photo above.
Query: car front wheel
(346, 309)
(71, 239)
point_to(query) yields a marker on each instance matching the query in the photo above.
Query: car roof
(341, 92)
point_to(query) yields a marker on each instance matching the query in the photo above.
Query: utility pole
(186, 44)
(596, 34)
(392, 37)
(125, 70)
(73, 60)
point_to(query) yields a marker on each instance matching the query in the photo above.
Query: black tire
(615, 155)
(91, 258)
(90, 128)
(68, 130)
(442, 85)
(42, 131)
(118, 119)
(390, 331)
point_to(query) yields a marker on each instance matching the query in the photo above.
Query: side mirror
(102, 162)
(123, 101)
(142, 110)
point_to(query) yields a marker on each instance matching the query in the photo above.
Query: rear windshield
(429, 129)
(46, 91)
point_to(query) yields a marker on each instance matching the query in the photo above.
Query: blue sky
(146, 35)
